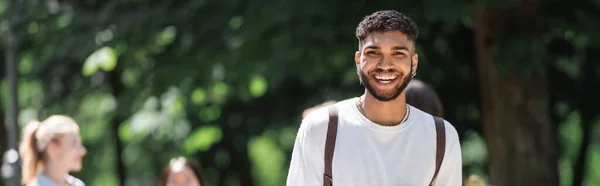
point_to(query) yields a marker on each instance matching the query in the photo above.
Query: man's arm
(451, 171)
(303, 167)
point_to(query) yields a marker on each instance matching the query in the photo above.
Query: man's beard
(384, 96)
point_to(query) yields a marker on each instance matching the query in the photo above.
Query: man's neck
(56, 173)
(386, 113)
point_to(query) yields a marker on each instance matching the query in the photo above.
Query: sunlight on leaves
(27, 115)
(65, 19)
(104, 58)
(287, 137)
(593, 165)
(198, 96)
(474, 150)
(569, 65)
(172, 102)
(236, 22)
(222, 159)
(130, 76)
(258, 86)
(210, 113)
(30, 93)
(98, 104)
(267, 160)
(220, 89)
(151, 104)
(33, 28)
(565, 172)
(144, 122)
(125, 133)
(202, 139)
(105, 178)
(167, 36)
(26, 63)
(570, 135)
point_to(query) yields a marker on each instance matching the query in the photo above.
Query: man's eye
(372, 53)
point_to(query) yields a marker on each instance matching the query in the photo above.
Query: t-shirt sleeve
(307, 160)
(451, 171)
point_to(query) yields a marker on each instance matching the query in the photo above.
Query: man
(377, 139)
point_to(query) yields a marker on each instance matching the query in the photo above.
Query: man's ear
(415, 62)
(357, 57)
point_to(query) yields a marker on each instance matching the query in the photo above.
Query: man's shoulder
(320, 116)
(450, 130)
(316, 122)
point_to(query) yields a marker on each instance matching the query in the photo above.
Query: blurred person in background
(376, 138)
(423, 97)
(50, 150)
(182, 172)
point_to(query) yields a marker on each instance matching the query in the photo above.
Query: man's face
(385, 64)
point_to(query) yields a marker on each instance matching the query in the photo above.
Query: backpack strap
(330, 145)
(441, 145)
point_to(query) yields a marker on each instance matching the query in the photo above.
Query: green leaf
(198, 96)
(202, 139)
(220, 89)
(104, 58)
(167, 36)
(258, 86)
(125, 133)
(267, 160)
(210, 113)
(26, 63)
(64, 20)
(236, 22)
(33, 28)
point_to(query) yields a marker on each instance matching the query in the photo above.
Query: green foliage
(225, 83)
(202, 139)
(103, 58)
(269, 171)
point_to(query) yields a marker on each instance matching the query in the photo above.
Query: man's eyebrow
(373, 47)
(400, 48)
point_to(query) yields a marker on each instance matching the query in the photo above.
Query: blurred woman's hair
(174, 163)
(36, 139)
(423, 97)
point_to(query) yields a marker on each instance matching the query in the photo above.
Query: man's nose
(385, 63)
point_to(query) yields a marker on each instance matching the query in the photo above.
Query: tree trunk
(587, 107)
(116, 88)
(3, 138)
(515, 113)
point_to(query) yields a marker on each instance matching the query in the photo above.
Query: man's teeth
(385, 78)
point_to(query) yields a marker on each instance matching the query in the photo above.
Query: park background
(225, 82)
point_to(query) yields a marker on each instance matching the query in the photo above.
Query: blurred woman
(182, 172)
(50, 150)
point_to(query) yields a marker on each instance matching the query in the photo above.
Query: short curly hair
(386, 20)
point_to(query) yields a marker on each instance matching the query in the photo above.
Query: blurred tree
(515, 112)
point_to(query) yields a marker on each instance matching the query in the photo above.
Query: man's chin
(385, 96)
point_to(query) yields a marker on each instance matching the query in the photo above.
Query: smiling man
(378, 139)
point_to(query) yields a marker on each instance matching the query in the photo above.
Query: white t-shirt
(367, 154)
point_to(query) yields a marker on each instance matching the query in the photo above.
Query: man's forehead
(387, 40)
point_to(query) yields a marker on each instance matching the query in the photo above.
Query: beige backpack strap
(441, 145)
(330, 145)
